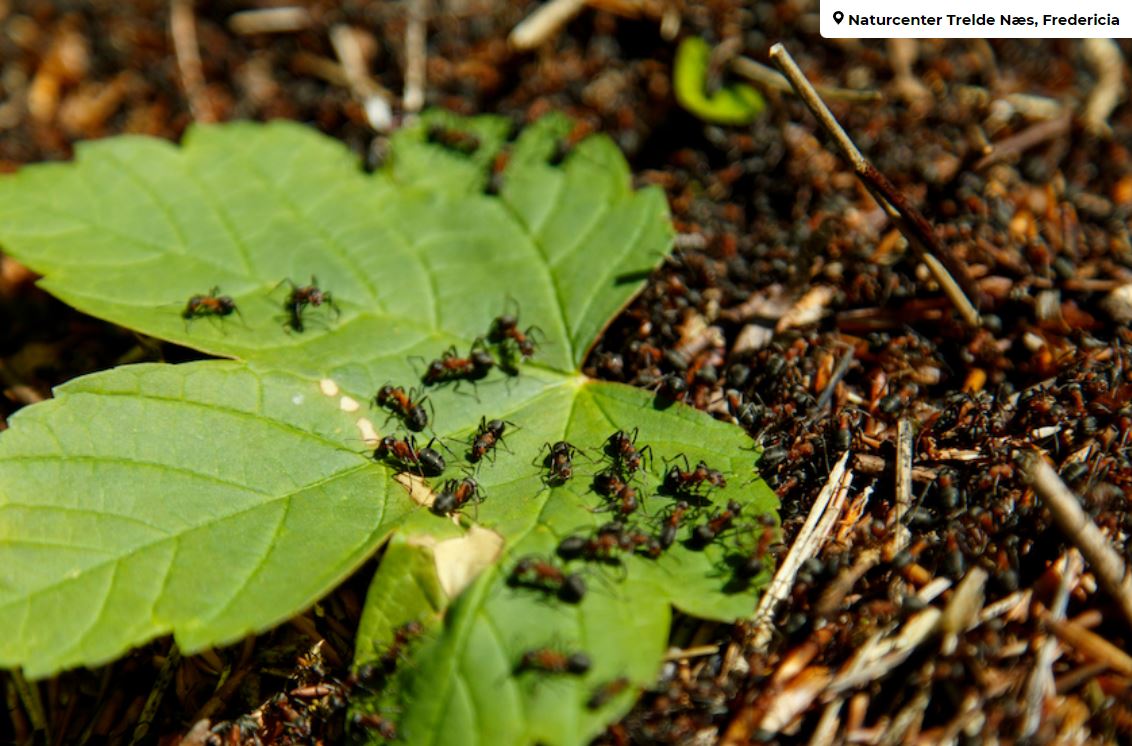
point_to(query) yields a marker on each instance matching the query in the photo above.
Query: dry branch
(183, 30)
(900, 535)
(947, 270)
(768, 78)
(374, 99)
(818, 524)
(416, 56)
(1080, 529)
(541, 25)
(270, 20)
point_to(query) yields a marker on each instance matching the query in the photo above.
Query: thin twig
(1104, 56)
(160, 685)
(699, 651)
(544, 23)
(1033, 135)
(831, 598)
(1080, 529)
(947, 270)
(963, 608)
(838, 373)
(768, 78)
(374, 99)
(825, 732)
(183, 29)
(416, 56)
(867, 463)
(806, 544)
(1091, 645)
(1041, 682)
(900, 533)
(883, 653)
(33, 703)
(270, 20)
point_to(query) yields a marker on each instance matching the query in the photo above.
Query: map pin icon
(838, 16)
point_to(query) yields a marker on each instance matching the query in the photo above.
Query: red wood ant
(405, 455)
(667, 536)
(705, 533)
(213, 304)
(542, 574)
(687, 479)
(515, 344)
(372, 721)
(549, 660)
(610, 484)
(559, 462)
(488, 435)
(451, 367)
(621, 446)
(400, 403)
(455, 494)
(748, 566)
(670, 387)
(372, 675)
(604, 546)
(458, 141)
(302, 296)
(641, 543)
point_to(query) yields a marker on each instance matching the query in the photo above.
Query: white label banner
(988, 19)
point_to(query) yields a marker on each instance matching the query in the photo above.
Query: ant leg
(475, 389)
(280, 284)
(440, 442)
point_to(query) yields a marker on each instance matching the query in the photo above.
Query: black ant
(400, 403)
(748, 565)
(559, 462)
(451, 367)
(609, 483)
(604, 546)
(542, 574)
(455, 494)
(213, 304)
(374, 722)
(669, 388)
(464, 143)
(667, 536)
(622, 448)
(515, 344)
(605, 692)
(372, 675)
(678, 480)
(641, 543)
(302, 296)
(405, 455)
(705, 533)
(488, 435)
(548, 660)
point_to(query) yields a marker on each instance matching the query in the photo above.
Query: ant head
(500, 325)
(578, 663)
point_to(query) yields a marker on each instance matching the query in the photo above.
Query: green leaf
(462, 686)
(216, 499)
(734, 103)
(199, 498)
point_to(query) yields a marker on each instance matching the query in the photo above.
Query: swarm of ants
(619, 480)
